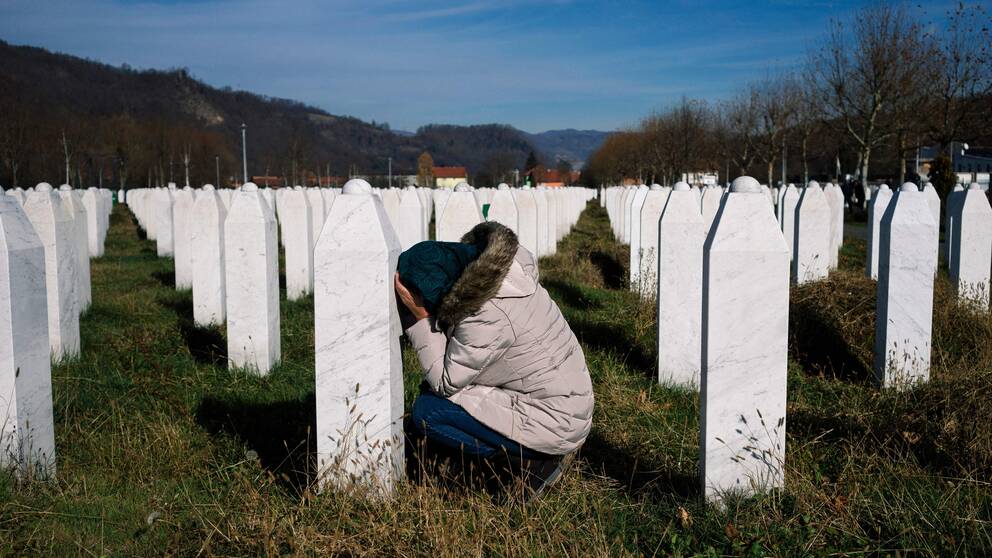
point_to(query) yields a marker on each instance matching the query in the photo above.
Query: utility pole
(390, 163)
(217, 165)
(244, 153)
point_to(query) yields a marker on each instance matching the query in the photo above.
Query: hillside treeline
(139, 127)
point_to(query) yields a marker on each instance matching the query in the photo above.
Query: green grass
(162, 450)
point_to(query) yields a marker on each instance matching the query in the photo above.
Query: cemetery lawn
(162, 450)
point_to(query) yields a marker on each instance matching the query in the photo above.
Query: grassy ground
(162, 450)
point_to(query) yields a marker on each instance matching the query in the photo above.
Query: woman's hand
(412, 301)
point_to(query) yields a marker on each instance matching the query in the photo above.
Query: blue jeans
(448, 424)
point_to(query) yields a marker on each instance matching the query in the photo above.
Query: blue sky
(537, 65)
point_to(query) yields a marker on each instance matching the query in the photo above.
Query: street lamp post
(783, 163)
(244, 153)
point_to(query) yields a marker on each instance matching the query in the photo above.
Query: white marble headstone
(745, 347)
(94, 234)
(527, 218)
(207, 240)
(359, 369)
(182, 250)
(972, 246)
(55, 229)
(410, 218)
(27, 430)
(440, 199)
(503, 209)
(907, 262)
(317, 212)
(787, 215)
(163, 222)
(954, 198)
(461, 213)
(552, 223)
(651, 210)
(834, 197)
(73, 204)
(328, 194)
(876, 209)
(680, 233)
(635, 235)
(812, 244)
(251, 268)
(543, 242)
(427, 206)
(710, 204)
(391, 203)
(296, 231)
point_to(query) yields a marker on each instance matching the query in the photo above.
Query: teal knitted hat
(430, 268)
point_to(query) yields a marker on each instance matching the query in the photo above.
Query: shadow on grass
(142, 235)
(638, 478)
(611, 269)
(166, 278)
(820, 348)
(611, 338)
(570, 295)
(280, 432)
(206, 345)
(429, 463)
(831, 429)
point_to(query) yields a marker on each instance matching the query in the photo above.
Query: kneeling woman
(506, 375)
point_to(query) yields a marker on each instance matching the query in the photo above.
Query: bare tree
(962, 80)
(657, 145)
(807, 118)
(187, 150)
(738, 125)
(14, 137)
(776, 108)
(862, 70)
(67, 152)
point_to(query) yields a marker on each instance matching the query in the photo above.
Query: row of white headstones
(47, 238)
(231, 239)
(718, 263)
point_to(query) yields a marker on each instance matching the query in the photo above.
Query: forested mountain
(137, 125)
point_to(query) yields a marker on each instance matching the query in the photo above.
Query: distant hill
(142, 119)
(574, 146)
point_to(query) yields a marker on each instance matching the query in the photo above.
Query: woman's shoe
(541, 474)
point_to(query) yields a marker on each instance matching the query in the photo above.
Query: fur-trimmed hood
(483, 279)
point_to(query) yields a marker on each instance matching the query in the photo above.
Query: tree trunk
(771, 171)
(865, 156)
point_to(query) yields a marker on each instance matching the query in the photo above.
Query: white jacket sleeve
(450, 364)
